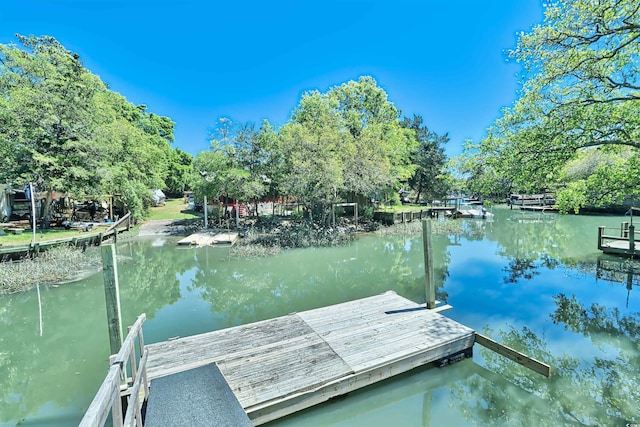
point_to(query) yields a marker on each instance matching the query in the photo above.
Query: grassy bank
(173, 209)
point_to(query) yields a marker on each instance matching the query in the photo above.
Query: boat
(480, 213)
(474, 211)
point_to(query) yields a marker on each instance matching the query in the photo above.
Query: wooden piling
(600, 234)
(430, 290)
(112, 296)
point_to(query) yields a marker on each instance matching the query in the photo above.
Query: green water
(534, 281)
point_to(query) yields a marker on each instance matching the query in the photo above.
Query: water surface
(534, 281)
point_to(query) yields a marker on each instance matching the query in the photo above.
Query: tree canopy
(345, 144)
(63, 129)
(580, 92)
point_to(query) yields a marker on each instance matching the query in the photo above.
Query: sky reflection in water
(526, 279)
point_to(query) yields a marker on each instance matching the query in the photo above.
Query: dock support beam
(112, 296)
(520, 358)
(430, 289)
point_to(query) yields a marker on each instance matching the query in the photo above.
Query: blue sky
(196, 61)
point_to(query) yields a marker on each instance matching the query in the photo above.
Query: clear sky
(196, 61)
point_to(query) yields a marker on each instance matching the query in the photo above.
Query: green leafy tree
(49, 116)
(430, 179)
(581, 90)
(313, 152)
(180, 168)
(347, 142)
(63, 129)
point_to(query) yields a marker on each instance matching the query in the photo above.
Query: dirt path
(166, 227)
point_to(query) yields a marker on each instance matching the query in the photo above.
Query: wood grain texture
(279, 366)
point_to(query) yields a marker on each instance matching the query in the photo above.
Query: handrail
(133, 415)
(111, 390)
(120, 221)
(127, 347)
(106, 400)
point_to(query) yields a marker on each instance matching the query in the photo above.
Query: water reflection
(581, 390)
(619, 270)
(304, 279)
(70, 359)
(533, 281)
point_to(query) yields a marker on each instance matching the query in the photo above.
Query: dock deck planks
(620, 247)
(278, 366)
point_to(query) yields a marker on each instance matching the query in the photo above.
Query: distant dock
(205, 238)
(624, 241)
(545, 208)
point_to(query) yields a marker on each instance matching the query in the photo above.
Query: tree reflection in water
(601, 390)
(298, 280)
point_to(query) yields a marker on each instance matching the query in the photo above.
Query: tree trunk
(418, 195)
(46, 210)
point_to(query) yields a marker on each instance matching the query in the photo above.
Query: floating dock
(545, 208)
(252, 374)
(204, 238)
(624, 241)
(280, 366)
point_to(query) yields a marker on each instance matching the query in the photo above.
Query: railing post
(600, 233)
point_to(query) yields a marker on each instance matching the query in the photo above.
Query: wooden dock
(228, 238)
(543, 208)
(81, 240)
(624, 241)
(391, 218)
(279, 366)
(205, 238)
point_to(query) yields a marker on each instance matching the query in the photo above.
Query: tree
(256, 153)
(313, 151)
(430, 179)
(379, 157)
(347, 142)
(581, 90)
(49, 116)
(63, 129)
(180, 169)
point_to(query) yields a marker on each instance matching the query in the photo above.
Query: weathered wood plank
(225, 238)
(516, 356)
(108, 395)
(278, 366)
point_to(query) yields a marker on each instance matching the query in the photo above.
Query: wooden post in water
(430, 289)
(632, 244)
(600, 234)
(206, 222)
(112, 296)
